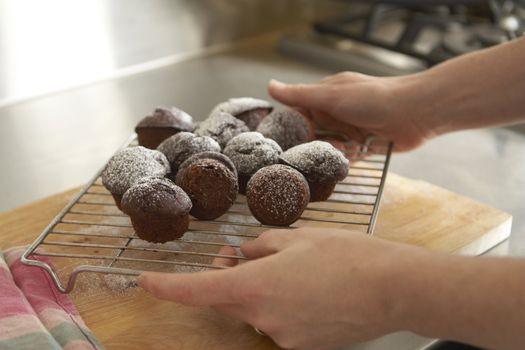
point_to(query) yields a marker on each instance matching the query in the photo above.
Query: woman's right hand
(359, 105)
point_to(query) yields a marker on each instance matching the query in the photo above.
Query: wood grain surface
(413, 212)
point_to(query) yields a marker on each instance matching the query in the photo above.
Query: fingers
(301, 95)
(226, 260)
(338, 78)
(198, 289)
(326, 122)
(268, 242)
(343, 78)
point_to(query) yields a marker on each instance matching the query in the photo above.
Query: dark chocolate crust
(161, 230)
(221, 127)
(152, 137)
(277, 195)
(118, 200)
(161, 124)
(183, 145)
(158, 209)
(250, 152)
(243, 182)
(248, 109)
(253, 118)
(211, 186)
(287, 127)
(163, 117)
(321, 190)
(210, 155)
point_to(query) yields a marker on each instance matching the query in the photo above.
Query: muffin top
(277, 195)
(211, 184)
(287, 127)
(210, 156)
(222, 127)
(239, 105)
(168, 118)
(131, 164)
(251, 151)
(181, 146)
(155, 197)
(317, 161)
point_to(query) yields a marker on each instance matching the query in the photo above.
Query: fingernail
(141, 281)
(277, 84)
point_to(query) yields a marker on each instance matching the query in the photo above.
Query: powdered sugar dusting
(239, 105)
(131, 164)
(209, 155)
(181, 146)
(277, 195)
(251, 151)
(120, 283)
(158, 196)
(287, 127)
(317, 160)
(168, 117)
(222, 127)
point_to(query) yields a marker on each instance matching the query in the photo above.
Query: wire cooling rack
(92, 235)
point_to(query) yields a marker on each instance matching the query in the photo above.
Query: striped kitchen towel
(33, 313)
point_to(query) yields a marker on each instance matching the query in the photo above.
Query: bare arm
(476, 300)
(485, 88)
(482, 89)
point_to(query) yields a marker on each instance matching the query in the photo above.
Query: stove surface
(406, 38)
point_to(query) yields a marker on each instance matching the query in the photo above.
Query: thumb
(206, 288)
(311, 96)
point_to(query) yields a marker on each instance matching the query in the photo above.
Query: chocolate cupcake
(161, 124)
(158, 209)
(321, 164)
(250, 110)
(210, 180)
(183, 145)
(287, 127)
(277, 195)
(129, 165)
(221, 127)
(250, 152)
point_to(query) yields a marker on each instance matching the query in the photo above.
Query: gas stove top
(403, 37)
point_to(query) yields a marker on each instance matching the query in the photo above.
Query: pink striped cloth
(33, 313)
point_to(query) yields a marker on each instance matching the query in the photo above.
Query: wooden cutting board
(412, 212)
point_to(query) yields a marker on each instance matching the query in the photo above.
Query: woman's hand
(319, 289)
(480, 89)
(359, 105)
(306, 288)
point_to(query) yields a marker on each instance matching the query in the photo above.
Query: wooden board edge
(494, 237)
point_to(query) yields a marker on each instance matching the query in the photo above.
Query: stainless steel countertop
(56, 142)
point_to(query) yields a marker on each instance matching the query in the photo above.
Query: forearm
(482, 89)
(480, 301)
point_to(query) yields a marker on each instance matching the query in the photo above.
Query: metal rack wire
(91, 235)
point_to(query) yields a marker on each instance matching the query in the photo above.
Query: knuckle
(285, 341)
(264, 323)
(267, 235)
(346, 74)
